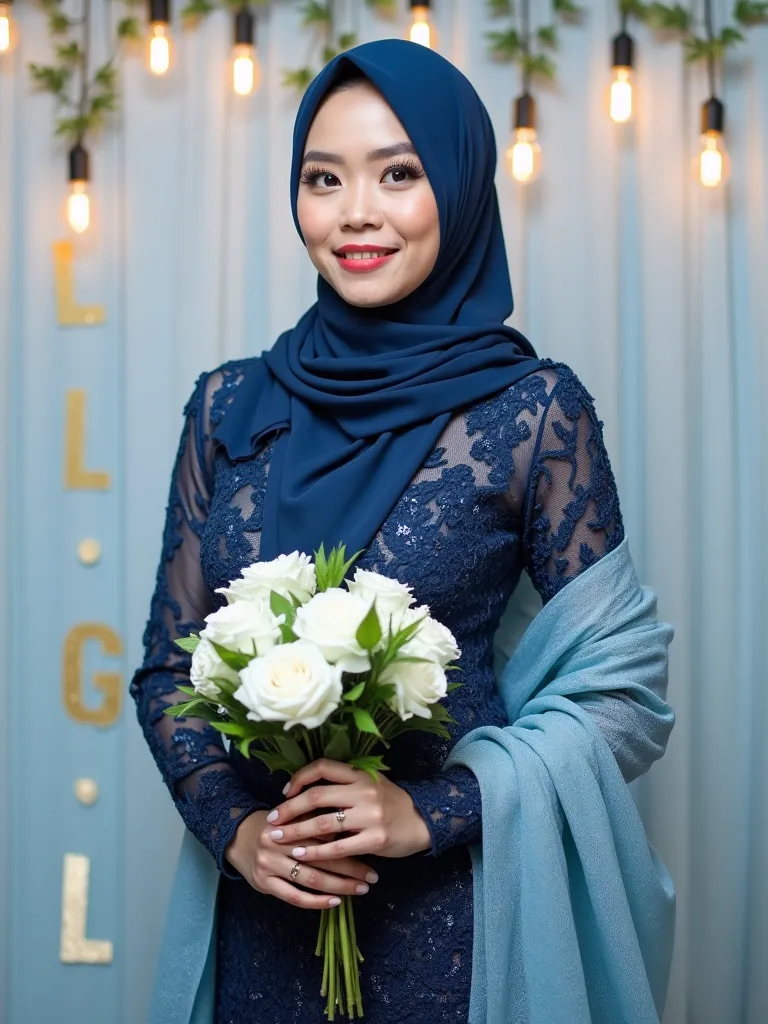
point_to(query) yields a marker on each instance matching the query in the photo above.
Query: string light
(7, 27)
(621, 94)
(78, 202)
(523, 156)
(713, 162)
(245, 67)
(159, 36)
(422, 29)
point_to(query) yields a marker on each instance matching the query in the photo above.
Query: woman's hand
(267, 866)
(380, 815)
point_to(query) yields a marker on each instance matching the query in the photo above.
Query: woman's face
(366, 210)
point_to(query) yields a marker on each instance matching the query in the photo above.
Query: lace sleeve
(189, 752)
(572, 510)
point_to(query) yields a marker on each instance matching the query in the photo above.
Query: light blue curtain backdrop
(653, 290)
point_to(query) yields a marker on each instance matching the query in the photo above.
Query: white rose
(292, 574)
(392, 597)
(431, 640)
(331, 620)
(292, 683)
(245, 626)
(417, 685)
(206, 667)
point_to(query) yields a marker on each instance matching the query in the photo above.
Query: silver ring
(340, 815)
(295, 870)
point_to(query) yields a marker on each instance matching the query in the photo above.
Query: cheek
(418, 221)
(313, 220)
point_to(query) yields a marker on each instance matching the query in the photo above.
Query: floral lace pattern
(518, 481)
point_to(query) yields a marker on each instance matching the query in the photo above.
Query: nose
(360, 209)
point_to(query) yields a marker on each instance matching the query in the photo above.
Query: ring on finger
(295, 869)
(340, 815)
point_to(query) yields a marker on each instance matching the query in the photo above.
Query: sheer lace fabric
(519, 481)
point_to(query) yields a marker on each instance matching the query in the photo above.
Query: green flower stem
(329, 953)
(321, 936)
(356, 955)
(346, 952)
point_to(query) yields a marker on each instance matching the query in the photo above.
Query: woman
(402, 417)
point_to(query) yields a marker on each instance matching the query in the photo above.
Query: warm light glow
(421, 30)
(621, 95)
(78, 207)
(523, 155)
(6, 35)
(245, 70)
(159, 48)
(713, 160)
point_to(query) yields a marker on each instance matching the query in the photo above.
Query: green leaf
(281, 605)
(370, 764)
(339, 747)
(129, 28)
(504, 46)
(291, 751)
(565, 7)
(287, 634)
(500, 8)
(663, 18)
(539, 64)
(233, 659)
(58, 23)
(547, 35)
(314, 12)
(453, 686)
(346, 40)
(187, 689)
(196, 9)
(369, 631)
(275, 762)
(747, 12)
(730, 36)
(52, 79)
(364, 721)
(69, 53)
(355, 693)
(244, 746)
(188, 643)
(384, 8)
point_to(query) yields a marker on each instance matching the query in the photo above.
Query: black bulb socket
(160, 11)
(245, 27)
(524, 112)
(712, 116)
(420, 3)
(78, 163)
(623, 50)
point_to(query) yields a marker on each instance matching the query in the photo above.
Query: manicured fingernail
(361, 888)
(371, 877)
(299, 851)
(334, 902)
(286, 787)
(272, 816)
(277, 834)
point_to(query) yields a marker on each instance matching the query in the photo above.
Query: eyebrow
(322, 156)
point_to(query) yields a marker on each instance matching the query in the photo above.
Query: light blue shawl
(574, 910)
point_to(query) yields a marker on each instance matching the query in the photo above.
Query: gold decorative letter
(69, 313)
(76, 476)
(72, 675)
(75, 947)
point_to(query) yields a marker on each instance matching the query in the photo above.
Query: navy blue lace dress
(518, 481)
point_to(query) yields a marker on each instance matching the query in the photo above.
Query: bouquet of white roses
(296, 666)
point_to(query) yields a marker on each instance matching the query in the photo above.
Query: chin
(368, 297)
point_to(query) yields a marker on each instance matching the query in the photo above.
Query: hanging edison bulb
(622, 105)
(7, 27)
(159, 36)
(422, 28)
(713, 165)
(78, 201)
(245, 65)
(523, 155)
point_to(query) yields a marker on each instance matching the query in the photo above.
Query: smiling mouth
(364, 261)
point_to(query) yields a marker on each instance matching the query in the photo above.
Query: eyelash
(415, 170)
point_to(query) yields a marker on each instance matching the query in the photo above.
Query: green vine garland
(528, 48)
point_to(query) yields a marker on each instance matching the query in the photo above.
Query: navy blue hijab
(359, 396)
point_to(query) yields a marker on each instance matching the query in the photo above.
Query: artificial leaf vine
(83, 99)
(530, 48)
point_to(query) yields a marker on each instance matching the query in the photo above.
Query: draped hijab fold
(359, 396)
